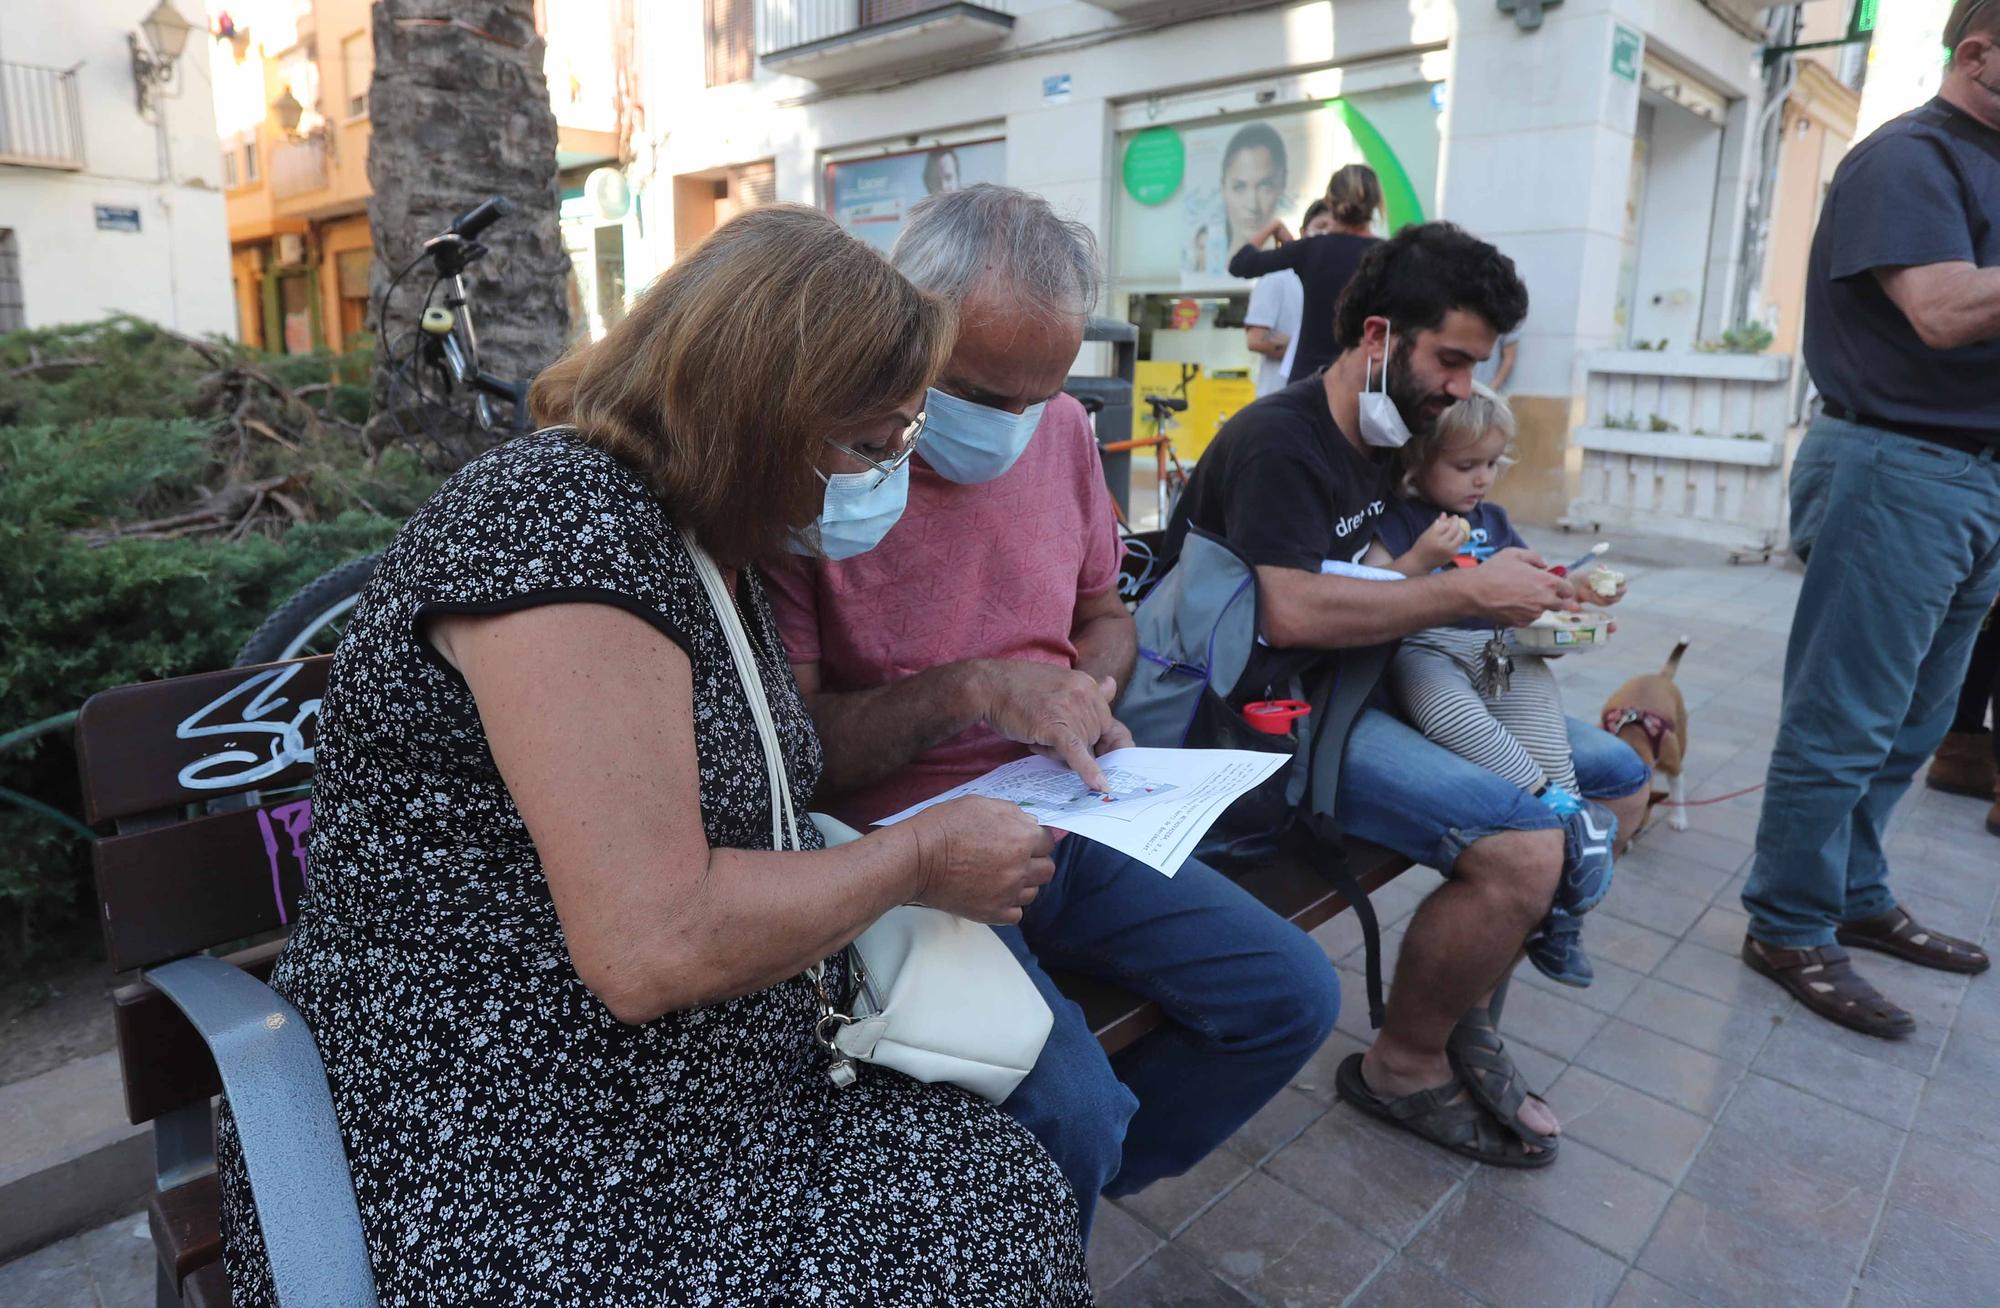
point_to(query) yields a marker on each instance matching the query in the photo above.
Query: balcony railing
(40, 123)
(298, 167)
(823, 39)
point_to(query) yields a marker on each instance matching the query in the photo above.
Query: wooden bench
(174, 887)
(201, 779)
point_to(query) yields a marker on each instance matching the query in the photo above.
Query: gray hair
(957, 241)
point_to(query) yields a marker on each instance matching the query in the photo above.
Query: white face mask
(971, 443)
(859, 510)
(1381, 421)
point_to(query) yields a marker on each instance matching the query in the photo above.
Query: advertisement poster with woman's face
(1238, 176)
(872, 197)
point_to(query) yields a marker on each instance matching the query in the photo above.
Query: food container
(1557, 632)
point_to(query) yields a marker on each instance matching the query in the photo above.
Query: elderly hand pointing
(1057, 712)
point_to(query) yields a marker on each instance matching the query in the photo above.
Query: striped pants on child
(1520, 735)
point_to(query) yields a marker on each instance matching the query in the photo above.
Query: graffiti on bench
(285, 828)
(255, 702)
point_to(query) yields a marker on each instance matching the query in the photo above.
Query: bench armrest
(277, 1091)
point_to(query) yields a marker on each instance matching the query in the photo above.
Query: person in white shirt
(1277, 303)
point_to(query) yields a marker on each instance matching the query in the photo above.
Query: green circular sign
(1155, 159)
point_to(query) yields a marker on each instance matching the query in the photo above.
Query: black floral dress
(511, 1141)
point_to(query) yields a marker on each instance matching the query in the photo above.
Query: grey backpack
(1197, 632)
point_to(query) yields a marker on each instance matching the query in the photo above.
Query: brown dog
(1649, 714)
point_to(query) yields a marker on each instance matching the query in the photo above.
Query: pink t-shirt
(988, 571)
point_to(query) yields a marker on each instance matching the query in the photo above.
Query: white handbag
(936, 997)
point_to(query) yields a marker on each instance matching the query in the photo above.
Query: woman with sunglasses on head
(561, 978)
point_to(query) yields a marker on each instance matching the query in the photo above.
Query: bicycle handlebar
(468, 225)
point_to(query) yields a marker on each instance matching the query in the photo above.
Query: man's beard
(1410, 398)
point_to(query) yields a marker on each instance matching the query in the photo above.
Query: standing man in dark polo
(1896, 509)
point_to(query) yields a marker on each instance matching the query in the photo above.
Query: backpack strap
(1338, 698)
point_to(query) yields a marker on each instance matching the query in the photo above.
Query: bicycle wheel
(311, 621)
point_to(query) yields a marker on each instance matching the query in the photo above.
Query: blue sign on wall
(113, 218)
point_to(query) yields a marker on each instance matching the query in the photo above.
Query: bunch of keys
(1496, 666)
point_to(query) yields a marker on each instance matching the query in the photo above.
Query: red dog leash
(1698, 803)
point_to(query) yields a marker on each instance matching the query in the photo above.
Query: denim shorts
(1401, 791)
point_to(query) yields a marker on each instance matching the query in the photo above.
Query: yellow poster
(1212, 401)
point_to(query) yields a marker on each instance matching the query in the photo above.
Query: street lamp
(167, 35)
(289, 111)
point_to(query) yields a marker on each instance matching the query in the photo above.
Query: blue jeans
(1249, 998)
(1902, 542)
(1406, 793)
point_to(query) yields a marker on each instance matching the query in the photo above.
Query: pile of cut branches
(282, 435)
(159, 496)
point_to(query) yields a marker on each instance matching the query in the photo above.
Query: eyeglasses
(899, 450)
(1963, 25)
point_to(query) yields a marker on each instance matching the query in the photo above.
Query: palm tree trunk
(459, 111)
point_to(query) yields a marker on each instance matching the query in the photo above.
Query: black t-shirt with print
(1923, 189)
(1286, 489)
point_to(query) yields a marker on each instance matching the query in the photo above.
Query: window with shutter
(753, 184)
(731, 33)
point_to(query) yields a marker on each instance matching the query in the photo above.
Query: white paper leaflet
(1160, 803)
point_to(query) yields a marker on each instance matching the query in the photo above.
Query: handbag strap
(784, 818)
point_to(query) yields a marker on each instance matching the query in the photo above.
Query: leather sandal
(1824, 981)
(1896, 932)
(1447, 1116)
(1480, 1058)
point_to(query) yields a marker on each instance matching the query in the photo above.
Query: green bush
(136, 436)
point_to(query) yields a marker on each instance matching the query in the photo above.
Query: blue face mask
(970, 443)
(859, 509)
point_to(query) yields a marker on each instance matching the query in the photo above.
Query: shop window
(350, 274)
(295, 312)
(870, 197)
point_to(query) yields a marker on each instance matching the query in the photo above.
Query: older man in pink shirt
(986, 624)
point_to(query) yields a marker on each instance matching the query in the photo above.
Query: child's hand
(1440, 541)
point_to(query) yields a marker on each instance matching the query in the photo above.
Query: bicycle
(1170, 477)
(445, 347)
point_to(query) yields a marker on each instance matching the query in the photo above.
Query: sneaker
(1588, 834)
(1556, 950)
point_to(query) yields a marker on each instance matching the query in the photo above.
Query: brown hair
(720, 383)
(1469, 420)
(1354, 194)
(1959, 24)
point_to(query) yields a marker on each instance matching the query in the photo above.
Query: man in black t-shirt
(1294, 483)
(1896, 508)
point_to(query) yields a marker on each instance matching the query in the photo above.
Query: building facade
(1609, 148)
(291, 107)
(107, 205)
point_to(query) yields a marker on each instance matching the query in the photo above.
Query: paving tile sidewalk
(1724, 1147)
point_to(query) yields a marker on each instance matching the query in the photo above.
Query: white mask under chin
(1381, 421)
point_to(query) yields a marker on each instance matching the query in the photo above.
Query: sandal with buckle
(1824, 981)
(1897, 933)
(1447, 1116)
